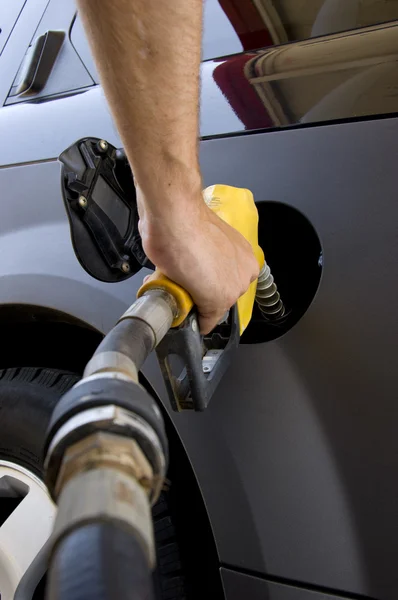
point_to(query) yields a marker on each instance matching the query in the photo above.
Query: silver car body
(297, 455)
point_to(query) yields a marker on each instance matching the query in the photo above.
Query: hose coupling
(267, 295)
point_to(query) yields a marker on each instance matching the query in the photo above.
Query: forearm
(148, 55)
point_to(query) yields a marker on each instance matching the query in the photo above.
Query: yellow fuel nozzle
(236, 207)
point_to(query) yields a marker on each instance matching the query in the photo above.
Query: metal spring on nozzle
(267, 295)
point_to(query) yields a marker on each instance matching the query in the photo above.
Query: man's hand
(207, 257)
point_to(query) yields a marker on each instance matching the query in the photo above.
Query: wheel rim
(26, 529)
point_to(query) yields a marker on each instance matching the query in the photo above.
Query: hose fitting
(106, 478)
(267, 295)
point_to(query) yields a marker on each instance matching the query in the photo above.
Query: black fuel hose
(99, 561)
(132, 338)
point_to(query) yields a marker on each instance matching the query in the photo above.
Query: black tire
(27, 398)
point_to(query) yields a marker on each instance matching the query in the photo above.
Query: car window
(303, 62)
(232, 26)
(271, 64)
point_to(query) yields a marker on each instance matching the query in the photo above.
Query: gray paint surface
(25, 138)
(311, 418)
(238, 586)
(9, 14)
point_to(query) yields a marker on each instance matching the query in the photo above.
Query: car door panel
(310, 418)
